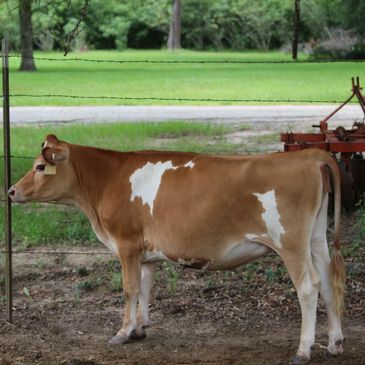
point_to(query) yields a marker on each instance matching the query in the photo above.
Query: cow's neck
(94, 170)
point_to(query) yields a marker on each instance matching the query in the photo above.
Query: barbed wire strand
(58, 252)
(20, 157)
(248, 62)
(42, 252)
(50, 202)
(101, 97)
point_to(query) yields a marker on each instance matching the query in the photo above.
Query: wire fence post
(7, 183)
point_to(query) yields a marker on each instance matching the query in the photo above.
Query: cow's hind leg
(306, 282)
(147, 279)
(321, 261)
(131, 268)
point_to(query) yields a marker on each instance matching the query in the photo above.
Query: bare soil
(247, 316)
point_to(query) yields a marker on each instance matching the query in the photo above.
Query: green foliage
(172, 276)
(250, 271)
(206, 24)
(334, 50)
(353, 15)
(26, 292)
(107, 24)
(355, 247)
(35, 224)
(82, 271)
(360, 222)
(9, 25)
(88, 284)
(275, 273)
(116, 282)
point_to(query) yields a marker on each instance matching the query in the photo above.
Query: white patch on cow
(189, 164)
(271, 216)
(153, 256)
(253, 237)
(45, 145)
(146, 181)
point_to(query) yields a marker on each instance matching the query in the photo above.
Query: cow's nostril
(11, 191)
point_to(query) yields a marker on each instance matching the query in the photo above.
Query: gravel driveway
(226, 114)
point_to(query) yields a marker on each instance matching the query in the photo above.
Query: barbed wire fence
(218, 61)
(7, 95)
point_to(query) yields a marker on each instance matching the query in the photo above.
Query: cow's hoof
(333, 351)
(138, 335)
(328, 355)
(117, 340)
(299, 360)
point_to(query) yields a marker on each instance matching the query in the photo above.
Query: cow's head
(51, 177)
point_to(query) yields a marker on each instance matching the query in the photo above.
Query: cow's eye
(40, 167)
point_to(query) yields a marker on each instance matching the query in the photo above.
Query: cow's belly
(228, 257)
(239, 254)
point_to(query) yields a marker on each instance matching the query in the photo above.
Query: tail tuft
(338, 278)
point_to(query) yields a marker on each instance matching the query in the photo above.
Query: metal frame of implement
(348, 143)
(339, 140)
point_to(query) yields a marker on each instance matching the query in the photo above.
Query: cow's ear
(51, 138)
(55, 155)
(51, 141)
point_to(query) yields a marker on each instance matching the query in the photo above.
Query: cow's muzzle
(14, 195)
(11, 192)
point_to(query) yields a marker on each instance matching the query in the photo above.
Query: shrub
(339, 44)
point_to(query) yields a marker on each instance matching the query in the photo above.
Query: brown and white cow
(210, 212)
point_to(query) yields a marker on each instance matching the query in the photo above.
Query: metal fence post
(7, 184)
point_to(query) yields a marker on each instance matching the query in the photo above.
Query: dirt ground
(247, 316)
(66, 308)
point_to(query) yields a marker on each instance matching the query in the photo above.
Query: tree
(296, 22)
(174, 40)
(353, 16)
(26, 36)
(26, 30)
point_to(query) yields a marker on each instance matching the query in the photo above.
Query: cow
(206, 212)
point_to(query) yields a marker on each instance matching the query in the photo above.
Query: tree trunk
(26, 36)
(174, 41)
(296, 22)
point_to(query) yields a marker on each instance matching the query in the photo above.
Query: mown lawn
(316, 81)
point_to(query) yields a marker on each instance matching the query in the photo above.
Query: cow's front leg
(147, 280)
(131, 269)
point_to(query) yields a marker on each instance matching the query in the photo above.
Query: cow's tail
(337, 265)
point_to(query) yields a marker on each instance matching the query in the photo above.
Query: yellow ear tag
(50, 170)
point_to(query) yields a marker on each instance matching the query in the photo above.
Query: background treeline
(206, 24)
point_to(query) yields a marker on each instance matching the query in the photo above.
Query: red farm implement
(346, 145)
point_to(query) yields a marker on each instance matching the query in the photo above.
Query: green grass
(360, 226)
(327, 81)
(38, 224)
